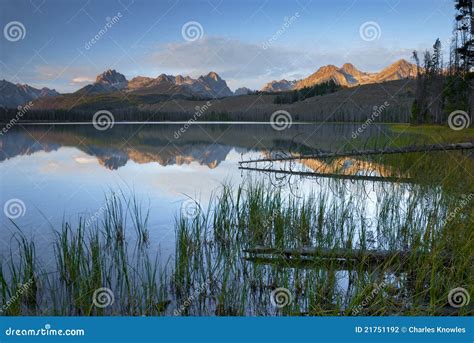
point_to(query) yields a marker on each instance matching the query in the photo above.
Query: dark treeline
(442, 88)
(344, 113)
(307, 92)
(124, 114)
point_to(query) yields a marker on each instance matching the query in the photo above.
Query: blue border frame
(239, 329)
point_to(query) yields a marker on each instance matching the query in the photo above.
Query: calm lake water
(63, 172)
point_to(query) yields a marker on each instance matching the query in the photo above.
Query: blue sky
(246, 42)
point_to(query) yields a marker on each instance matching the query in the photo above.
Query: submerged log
(369, 256)
(324, 252)
(323, 263)
(407, 149)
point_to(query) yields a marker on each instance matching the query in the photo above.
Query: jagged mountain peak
(242, 91)
(106, 82)
(328, 67)
(110, 76)
(213, 75)
(401, 69)
(348, 65)
(401, 62)
(214, 85)
(350, 68)
(278, 86)
(166, 78)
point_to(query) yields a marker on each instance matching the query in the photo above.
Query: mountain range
(206, 86)
(164, 87)
(346, 76)
(13, 95)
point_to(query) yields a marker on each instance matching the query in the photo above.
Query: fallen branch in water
(370, 256)
(408, 149)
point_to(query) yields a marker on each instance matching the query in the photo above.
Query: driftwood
(334, 176)
(368, 256)
(407, 149)
(324, 263)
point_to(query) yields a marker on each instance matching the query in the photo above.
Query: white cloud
(82, 79)
(230, 58)
(62, 78)
(85, 159)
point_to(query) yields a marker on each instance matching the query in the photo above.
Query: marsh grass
(110, 253)
(260, 216)
(211, 274)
